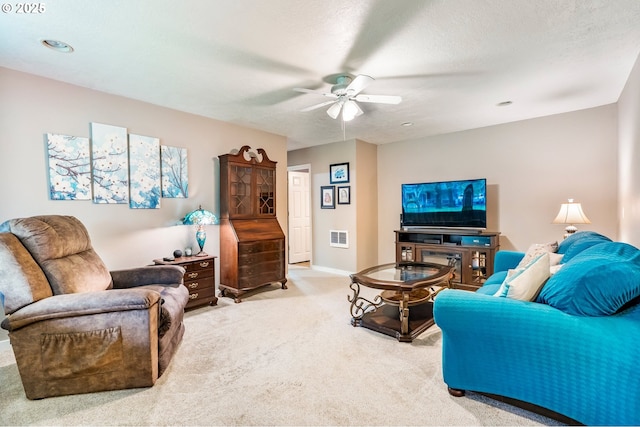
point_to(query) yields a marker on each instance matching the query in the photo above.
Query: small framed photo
(344, 195)
(328, 197)
(339, 173)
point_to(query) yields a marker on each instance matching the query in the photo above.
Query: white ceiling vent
(339, 238)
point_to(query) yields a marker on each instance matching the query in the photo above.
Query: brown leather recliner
(74, 326)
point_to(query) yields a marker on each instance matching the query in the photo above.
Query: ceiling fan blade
(315, 92)
(358, 84)
(334, 110)
(322, 104)
(380, 99)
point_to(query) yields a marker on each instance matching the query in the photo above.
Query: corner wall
(629, 158)
(359, 217)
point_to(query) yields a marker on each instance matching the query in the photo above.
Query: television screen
(447, 204)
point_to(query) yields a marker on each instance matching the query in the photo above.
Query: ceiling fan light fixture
(334, 110)
(350, 111)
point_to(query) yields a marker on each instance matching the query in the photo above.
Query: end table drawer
(198, 274)
(198, 265)
(195, 285)
(195, 298)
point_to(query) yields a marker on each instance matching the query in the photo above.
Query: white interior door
(299, 217)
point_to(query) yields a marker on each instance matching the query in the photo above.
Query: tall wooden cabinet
(252, 246)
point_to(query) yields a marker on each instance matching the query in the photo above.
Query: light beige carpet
(281, 357)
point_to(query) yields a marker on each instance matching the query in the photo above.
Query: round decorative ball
(177, 253)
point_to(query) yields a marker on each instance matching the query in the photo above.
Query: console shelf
(471, 253)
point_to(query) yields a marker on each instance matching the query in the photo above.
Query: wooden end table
(404, 309)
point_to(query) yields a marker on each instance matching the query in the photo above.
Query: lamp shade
(200, 217)
(571, 213)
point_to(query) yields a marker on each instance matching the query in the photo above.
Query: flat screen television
(445, 204)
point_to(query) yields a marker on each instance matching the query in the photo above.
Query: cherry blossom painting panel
(175, 182)
(69, 167)
(144, 172)
(110, 164)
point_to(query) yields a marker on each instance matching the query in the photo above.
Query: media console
(471, 253)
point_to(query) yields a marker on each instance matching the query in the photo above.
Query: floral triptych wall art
(115, 167)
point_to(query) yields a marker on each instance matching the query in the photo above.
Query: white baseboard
(4, 345)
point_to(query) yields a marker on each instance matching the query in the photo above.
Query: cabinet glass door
(239, 190)
(265, 191)
(450, 258)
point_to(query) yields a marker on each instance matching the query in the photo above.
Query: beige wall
(629, 159)
(531, 168)
(361, 228)
(33, 106)
(323, 220)
(364, 193)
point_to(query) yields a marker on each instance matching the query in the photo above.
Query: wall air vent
(339, 238)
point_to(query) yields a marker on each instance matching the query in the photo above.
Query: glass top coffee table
(404, 308)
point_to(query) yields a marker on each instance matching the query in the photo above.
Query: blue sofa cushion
(496, 278)
(489, 288)
(598, 281)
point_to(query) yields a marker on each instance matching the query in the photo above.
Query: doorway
(299, 193)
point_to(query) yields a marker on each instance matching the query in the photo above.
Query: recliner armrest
(150, 275)
(81, 304)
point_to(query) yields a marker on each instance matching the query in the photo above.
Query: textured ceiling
(238, 60)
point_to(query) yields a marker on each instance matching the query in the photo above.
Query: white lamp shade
(571, 213)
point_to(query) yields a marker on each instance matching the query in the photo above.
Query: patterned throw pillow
(525, 284)
(538, 249)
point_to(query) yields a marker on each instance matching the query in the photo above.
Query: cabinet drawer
(273, 267)
(260, 257)
(196, 298)
(256, 247)
(196, 285)
(260, 279)
(198, 265)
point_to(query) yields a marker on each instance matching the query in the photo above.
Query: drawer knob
(193, 296)
(193, 285)
(204, 264)
(192, 275)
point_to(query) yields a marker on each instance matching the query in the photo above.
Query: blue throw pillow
(579, 242)
(597, 282)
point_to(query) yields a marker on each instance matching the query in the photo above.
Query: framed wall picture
(339, 173)
(328, 199)
(344, 195)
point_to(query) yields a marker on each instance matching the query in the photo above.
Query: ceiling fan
(345, 95)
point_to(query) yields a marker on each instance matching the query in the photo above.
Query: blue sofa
(574, 350)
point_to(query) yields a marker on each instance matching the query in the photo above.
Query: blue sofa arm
(504, 260)
(538, 354)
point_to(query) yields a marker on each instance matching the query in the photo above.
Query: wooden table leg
(404, 314)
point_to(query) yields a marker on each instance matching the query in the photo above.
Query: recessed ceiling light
(504, 103)
(57, 45)
(407, 124)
